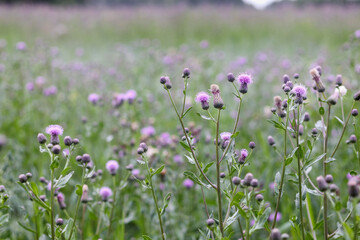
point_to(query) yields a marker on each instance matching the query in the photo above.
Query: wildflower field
(177, 122)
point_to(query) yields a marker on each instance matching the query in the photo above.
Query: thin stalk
(247, 217)
(343, 131)
(52, 204)
(185, 90)
(282, 171)
(113, 205)
(78, 202)
(83, 222)
(189, 143)
(206, 210)
(325, 172)
(299, 173)
(122, 226)
(218, 189)
(36, 220)
(100, 218)
(355, 220)
(155, 199)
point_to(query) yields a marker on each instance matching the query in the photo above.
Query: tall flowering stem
(325, 172)
(282, 171)
(78, 202)
(189, 143)
(218, 189)
(299, 173)
(163, 236)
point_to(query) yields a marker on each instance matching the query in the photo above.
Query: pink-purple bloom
(30, 86)
(93, 98)
(203, 98)
(148, 131)
(188, 183)
(105, 193)
(244, 80)
(112, 166)
(243, 155)
(55, 131)
(272, 217)
(225, 136)
(119, 99)
(52, 90)
(130, 96)
(299, 91)
(21, 46)
(178, 159)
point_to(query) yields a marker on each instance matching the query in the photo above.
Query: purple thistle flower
(55, 131)
(243, 155)
(244, 80)
(178, 159)
(30, 86)
(357, 33)
(130, 96)
(21, 46)
(119, 99)
(61, 200)
(218, 102)
(112, 166)
(105, 193)
(165, 139)
(135, 172)
(203, 98)
(272, 216)
(93, 98)
(148, 131)
(225, 136)
(188, 183)
(299, 91)
(52, 90)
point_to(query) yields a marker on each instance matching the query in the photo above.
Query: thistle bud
(140, 151)
(168, 84)
(163, 80)
(222, 175)
(252, 145)
(41, 138)
(353, 188)
(84, 196)
(322, 183)
(59, 222)
(143, 146)
(56, 149)
(306, 117)
(254, 183)
(186, 73)
(75, 141)
(230, 77)
(2, 188)
(271, 141)
(210, 222)
(275, 234)
(329, 178)
(218, 102)
(259, 197)
(22, 178)
(338, 80)
(247, 179)
(316, 73)
(85, 158)
(236, 180)
(28, 175)
(286, 78)
(354, 112)
(68, 141)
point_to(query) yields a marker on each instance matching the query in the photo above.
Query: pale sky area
(260, 4)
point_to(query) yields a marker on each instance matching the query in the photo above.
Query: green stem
(247, 216)
(100, 218)
(355, 220)
(78, 203)
(325, 172)
(155, 199)
(113, 206)
(183, 106)
(218, 189)
(52, 204)
(299, 173)
(282, 172)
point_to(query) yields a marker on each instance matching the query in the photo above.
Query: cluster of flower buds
(316, 74)
(288, 85)
(142, 148)
(279, 106)
(23, 178)
(165, 80)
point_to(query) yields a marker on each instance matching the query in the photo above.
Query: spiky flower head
(300, 92)
(55, 131)
(218, 102)
(203, 98)
(112, 166)
(225, 136)
(105, 193)
(244, 80)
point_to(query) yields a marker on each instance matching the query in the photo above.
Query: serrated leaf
(188, 110)
(190, 159)
(158, 170)
(185, 146)
(63, 180)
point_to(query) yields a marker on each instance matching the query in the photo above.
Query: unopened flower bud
(247, 179)
(353, 188)
(254, 183)
(75, 141)
(354, 112)
(236, 180)
(252, 145)
(338, 80)
(222, 175)
(143, 146)
(322, 183)
(329, 178)
(56, 149)
(85, 158)
(271, 141)
(230, 77)
(275, 234)
(22, 178)
(68, 141)
(59, 222)
(210, 222)
(140, 151)
(306, 117)
(41, 138)
(259, 197)
(186, 73)
(28, 175)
